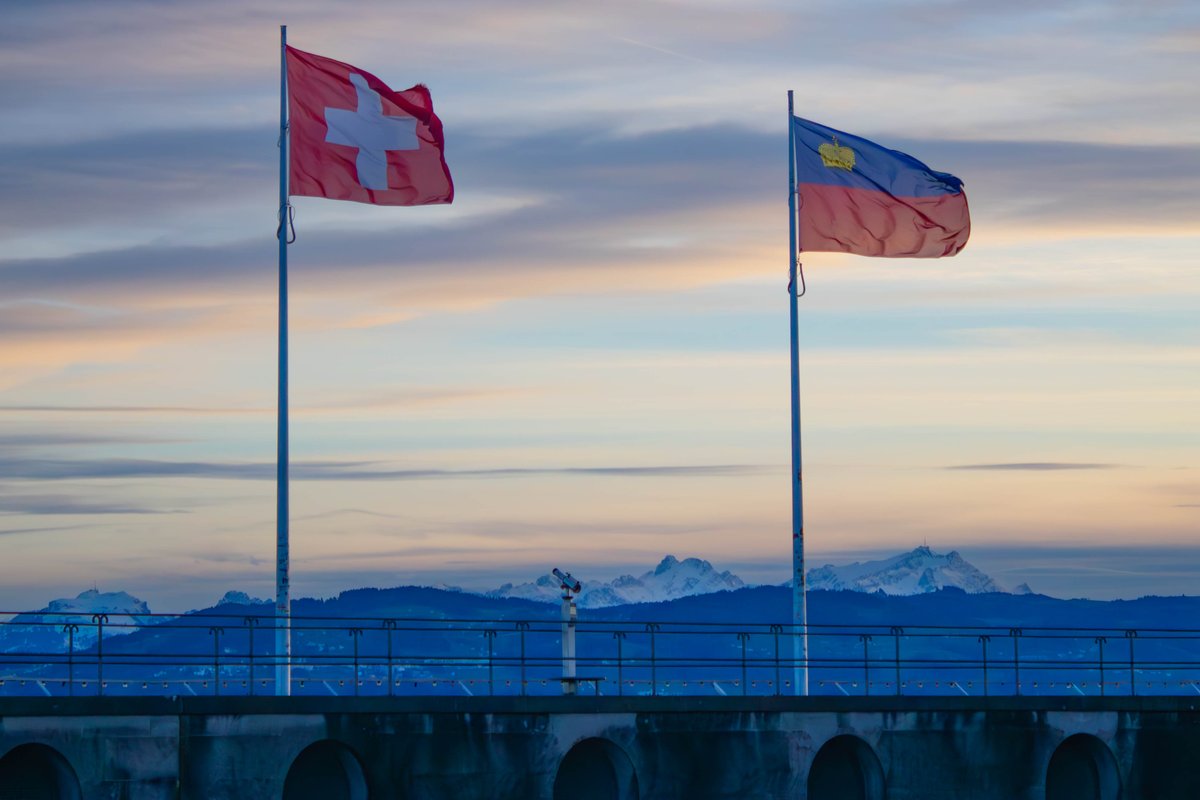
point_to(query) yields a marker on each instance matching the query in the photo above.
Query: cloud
(1089, 186)
(1035, 466)
(603, 211)
(139, 176)
(583, 529)
(50, 469)
(55, 529)
(348, 512)
(136, 175)
(59, 505)
(99, 409)
(55, 439)
(1017, 64)
(415, 397)
(717, 164)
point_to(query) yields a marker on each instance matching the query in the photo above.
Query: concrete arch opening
(1083, 768)
(37, 772)
(596, 769)
(846, 768)
(326, 770)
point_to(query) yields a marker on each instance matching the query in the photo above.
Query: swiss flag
(353, 138)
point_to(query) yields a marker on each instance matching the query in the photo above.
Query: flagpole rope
(284, 129)
(290, 211)
(803, 285)
(799, 266)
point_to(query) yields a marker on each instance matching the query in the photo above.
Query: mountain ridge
(918, 571)
(670, 579)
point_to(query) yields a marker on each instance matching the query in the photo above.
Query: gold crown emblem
(836, 155)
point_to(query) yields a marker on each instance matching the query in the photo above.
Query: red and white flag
(353, 138)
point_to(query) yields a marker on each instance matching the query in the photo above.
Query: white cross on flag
(353, 138)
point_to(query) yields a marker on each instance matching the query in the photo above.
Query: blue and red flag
(858, 197)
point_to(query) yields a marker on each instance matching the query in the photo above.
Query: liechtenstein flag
(858, 197)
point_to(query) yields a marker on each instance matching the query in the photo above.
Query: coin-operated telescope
(570, 587)
(568, 581)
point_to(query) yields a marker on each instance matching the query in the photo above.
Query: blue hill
(439, 639)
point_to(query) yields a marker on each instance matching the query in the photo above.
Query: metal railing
(213, 654)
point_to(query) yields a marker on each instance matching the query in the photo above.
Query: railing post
(490, 635)
(1016, 634)
(1101, 641)
(743, 637)
(521, 628)
(620, 637)
(1131, 635)
(777, 629)
(897, 632)
(99, 620)
(355, 635)
(652, 627)
(984, 641)
(70, 629)
(865, 638)
(251, 623)
(215, 631)
(389, 625)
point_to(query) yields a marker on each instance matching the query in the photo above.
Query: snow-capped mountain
(126, 614)
(236, 598)
(915, 572)
(671, 579)
(93, 601)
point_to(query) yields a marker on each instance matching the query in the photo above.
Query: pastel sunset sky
(583, 361)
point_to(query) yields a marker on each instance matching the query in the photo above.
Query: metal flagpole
(799, 611)
(283, 622)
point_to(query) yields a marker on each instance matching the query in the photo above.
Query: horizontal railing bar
(600, 625)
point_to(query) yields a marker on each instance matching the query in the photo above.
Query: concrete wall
(466, 748)
(113, 755)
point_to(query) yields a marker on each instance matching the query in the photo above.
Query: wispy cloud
(138, 173)
(141, 174)
(54, 529)
(415, 397)
(635, 183)
(349, 512)
(58, 439)
(62, 505)
(1035, 466)
(49, 469)
(104, 301)
(104, 409)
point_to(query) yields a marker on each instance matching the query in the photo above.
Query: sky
(583, 362)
